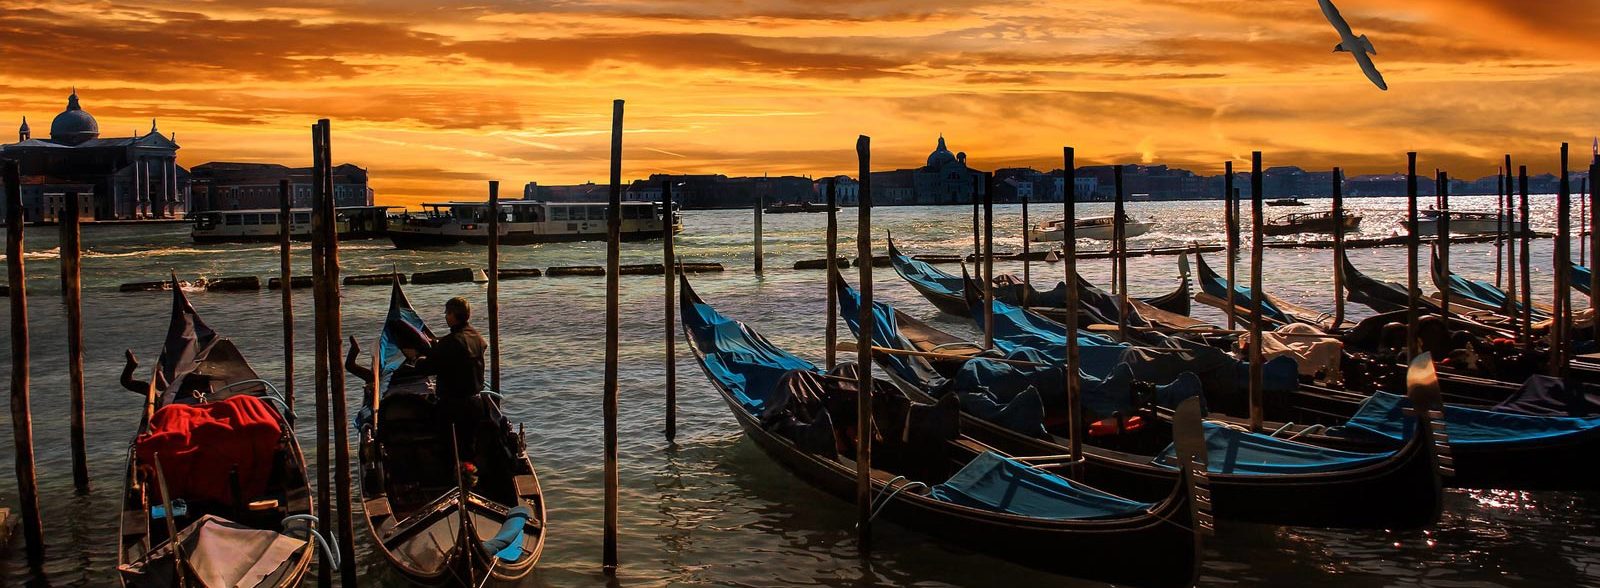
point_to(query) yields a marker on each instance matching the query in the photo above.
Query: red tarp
(200, 444)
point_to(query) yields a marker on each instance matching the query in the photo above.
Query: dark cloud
(679, 51)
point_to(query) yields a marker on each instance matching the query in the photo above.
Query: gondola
(1478, 294)
(945, 291)
(1275, 311)
(216, 465)
(1579, 277)
(1255, 478)
(415, 484)
(1309, 222)
(1509, 446)
(1379, 295)
(929, 478)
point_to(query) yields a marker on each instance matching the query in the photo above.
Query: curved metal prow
(1188, 432)
(1427, 406)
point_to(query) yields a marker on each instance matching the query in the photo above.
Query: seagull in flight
(1359, 47)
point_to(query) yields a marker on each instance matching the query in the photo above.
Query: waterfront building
(846, 191)
(944, 179)
(720, 191)
(224, 185)
(132, 177)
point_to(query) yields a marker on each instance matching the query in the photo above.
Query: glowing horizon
(434, 101)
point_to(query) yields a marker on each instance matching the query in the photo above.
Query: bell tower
(24, 133)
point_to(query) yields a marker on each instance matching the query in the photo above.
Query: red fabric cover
(199, 444)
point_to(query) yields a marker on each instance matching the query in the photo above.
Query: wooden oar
(172, 527)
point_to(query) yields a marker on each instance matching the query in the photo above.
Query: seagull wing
(1337, 20)
(1370, 69)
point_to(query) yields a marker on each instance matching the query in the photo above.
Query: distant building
(720, 191)
(225, 185)
(945, 179)
(846, 191)
(585, 192)
(130, 178)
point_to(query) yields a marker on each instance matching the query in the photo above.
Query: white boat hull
(1100, 232)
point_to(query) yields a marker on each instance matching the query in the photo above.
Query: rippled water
(713, 509)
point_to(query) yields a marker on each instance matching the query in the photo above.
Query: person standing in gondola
(456, 363)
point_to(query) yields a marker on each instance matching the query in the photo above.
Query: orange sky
(436, 99)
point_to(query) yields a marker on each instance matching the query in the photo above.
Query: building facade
(944, 179)
(247, 186)
(133, 177)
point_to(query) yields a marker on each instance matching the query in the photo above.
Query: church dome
(74, 125)
(941, 155)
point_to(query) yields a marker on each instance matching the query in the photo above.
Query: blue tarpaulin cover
(507, 543)
(1544, 395)
(1232, 451)
(742, 360)
(1380, 416)
(994, 483)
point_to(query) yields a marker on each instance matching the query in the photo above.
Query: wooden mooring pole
(831, 332)
(1561, 323)
(345, 523)
(1413, 242)
(1069, 259)
(285, 281)
(1500, 229)
(1230, 224)
(613, 325)
(1594, 243)
(1338, 246)
(864, 426)
(72, 295)
(1257, 375)
(977, 239)
(1027, 274)
(21, 413)
(1527, 273)
(1119, 255)
(494, 285)
(760, 257)
(669, 265)
(1509, 212)
(1441, 237)
(320, 370)
(988, 260)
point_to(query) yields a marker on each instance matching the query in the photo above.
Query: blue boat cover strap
(1380, 418)
(507, 543)
(1232, 451)
(995, 483)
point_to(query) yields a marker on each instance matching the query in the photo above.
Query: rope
(1310, 429)
(329, 548)
(879, 506)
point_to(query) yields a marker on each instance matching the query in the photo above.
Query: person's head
(457, 312)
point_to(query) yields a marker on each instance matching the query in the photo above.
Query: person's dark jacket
(456, 362)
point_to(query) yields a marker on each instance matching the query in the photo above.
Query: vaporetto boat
(524, 222)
